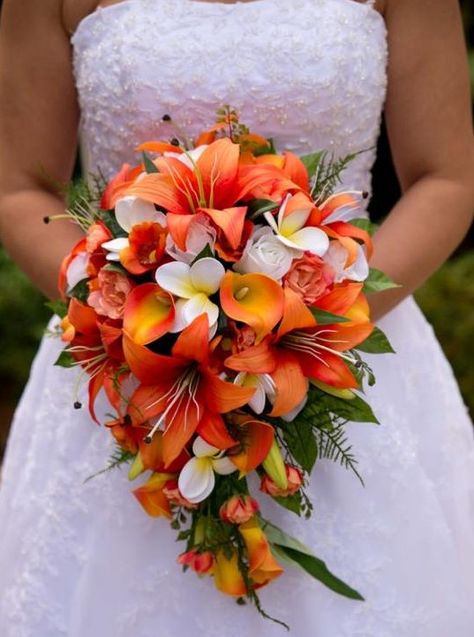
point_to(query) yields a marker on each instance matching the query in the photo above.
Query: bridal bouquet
(218, 298)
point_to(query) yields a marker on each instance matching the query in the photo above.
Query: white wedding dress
(81, 560)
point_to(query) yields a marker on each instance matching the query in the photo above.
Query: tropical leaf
(376, 343)
(377, 281)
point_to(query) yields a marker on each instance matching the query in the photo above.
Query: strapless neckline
(204, 5)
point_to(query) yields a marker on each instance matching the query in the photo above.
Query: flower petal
(293, 222)
(198, 305)
(206, 275)
(115, 245)
(148, 313)
(175, 277)
(313, 239)
(203, 449)
(196, 480)
(230, 221)
(223, 466)
(130, 211)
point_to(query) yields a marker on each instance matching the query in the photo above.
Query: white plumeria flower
(291, 230)
(264, 388)
(129, 212)
(193, 285)
(336, 256)
(200, 234)
(190, 157)
(265, 253)
(196, 480)
(77, 270)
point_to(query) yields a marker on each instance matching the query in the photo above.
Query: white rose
(264, 253)
(336, 256)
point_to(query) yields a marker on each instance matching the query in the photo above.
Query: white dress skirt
(81, 559)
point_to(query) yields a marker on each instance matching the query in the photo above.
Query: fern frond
(333, 445)
(117, 459)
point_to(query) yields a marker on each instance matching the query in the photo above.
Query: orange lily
(183, 390)
(263, 567)
(301, 349)
(118, 185)
(256, 438)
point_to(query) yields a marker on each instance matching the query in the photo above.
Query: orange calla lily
(181, 388)
(148, 314)
(256, 438)
(227, 576)
(151, 496)
(263, 567)
(254, 299)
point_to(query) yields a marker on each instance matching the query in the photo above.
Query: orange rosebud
(175, 497)
(263, 567)
(238, 509)
(295, 481)
(201, 563)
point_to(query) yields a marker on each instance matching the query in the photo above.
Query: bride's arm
(38, 124)
(428, 115)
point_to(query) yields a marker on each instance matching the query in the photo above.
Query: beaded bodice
(309, 73)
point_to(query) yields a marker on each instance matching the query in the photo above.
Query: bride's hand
(428, 114)
(38, 126)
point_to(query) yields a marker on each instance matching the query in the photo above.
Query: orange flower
(238, 509)
(147, 242)
(183, 390)
(151, 496)
(227, 576)
(295, 481)
(201, 563)
(263, 567)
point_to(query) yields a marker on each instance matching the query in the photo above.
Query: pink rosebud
(173, 494)
(310, 277)
(238, 509)
(109, 293)
(202, 563)
(295, 481)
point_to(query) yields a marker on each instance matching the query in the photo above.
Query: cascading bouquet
(218, 299)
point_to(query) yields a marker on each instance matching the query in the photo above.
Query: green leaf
(325, 318)
(57, 307)
(290, 502)
(149, 165)
(297, 553)
(355, 410)
(80, 291)
(376, 343)
(311, 162)
(364, 224)
(377, 281)
(318, 569)
(301, 443)
(265, 149)
(258, 206)
(65, 359)
(111, 223)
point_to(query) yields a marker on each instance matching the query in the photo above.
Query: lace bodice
(283, 64)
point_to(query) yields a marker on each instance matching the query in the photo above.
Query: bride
(83, 559)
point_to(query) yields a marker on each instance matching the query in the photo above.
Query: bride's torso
(309, 73)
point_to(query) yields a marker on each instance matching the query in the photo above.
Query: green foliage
(376, 343)
(377, 281)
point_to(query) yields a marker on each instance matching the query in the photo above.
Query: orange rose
(295, 481)
(238, 509)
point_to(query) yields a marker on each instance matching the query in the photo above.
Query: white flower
(265, 253)
(337, 255)
(291, 231)
(77, 270)
(130, 211)
(193, 285)
(196, 480)
(264, 388)
(200, 234)
(189, 156)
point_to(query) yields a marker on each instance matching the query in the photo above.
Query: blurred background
(447, 299)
